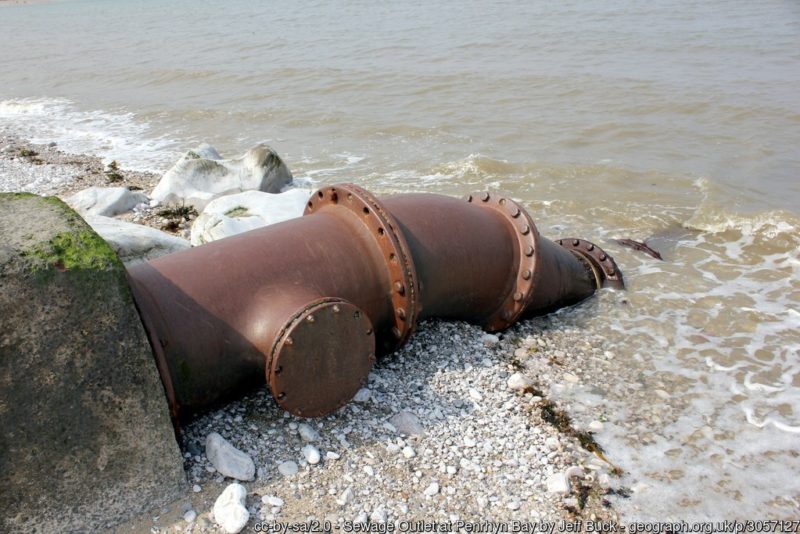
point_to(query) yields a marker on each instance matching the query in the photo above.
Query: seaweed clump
(176, 215)
(112, 172)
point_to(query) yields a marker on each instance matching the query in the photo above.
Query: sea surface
(670, 121)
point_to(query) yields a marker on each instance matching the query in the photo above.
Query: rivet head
(526, 274)
(590, 247)
(369, 331)
(576, 242)
(310, 318)
(372, 359)
(603, 257)
(281, 396)
(525, 229)
(506, 315)
(396, 332)
(289, 341)
(336, 308)
(515, 212)
(278, 370)
(518, 296)
(485, 196)
(529, 250)
(401, 313)
(400, 288)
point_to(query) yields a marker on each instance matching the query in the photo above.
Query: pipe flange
(321, 357)
(526, 236)
(394, 249)
(605, 269)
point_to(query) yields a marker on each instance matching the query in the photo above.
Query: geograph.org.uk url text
(533, 527)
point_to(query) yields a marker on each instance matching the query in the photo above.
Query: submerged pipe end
(605, 269)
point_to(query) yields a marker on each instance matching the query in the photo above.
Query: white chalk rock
(135, 243)
(407, 423)
(106, 201)
(229, 509)
(311, 454)
(558, 483)
(202, 175)
(518, 382)
(234, 214)
(227, 459)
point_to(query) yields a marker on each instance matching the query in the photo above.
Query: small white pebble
(330, 455)
(287, 469)
(345, 497)
(362, 395)
(574, 471)
(432, 490)
(311, 454)
(596, 426)
(272, 500)
(408, 452)
(518, 382)
(190, 516)
(490, 340)
(379, 515)
(307, 432)
(196, 488)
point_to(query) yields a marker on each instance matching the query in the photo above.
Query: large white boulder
(234, 214)
(106, 201)
(134, 243)
(227, 459)
(229, 509)
(202, 175)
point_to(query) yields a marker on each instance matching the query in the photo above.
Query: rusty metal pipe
(308, 303)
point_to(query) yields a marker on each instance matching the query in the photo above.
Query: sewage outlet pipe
(310, 302)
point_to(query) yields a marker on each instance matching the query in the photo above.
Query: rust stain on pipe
(308, 304)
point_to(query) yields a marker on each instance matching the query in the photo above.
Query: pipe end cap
(322, 358)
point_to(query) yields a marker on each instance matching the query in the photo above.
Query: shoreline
(487, 450)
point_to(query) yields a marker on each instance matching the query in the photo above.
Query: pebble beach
(457, 426)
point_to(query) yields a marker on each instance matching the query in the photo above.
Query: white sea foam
(117, 135)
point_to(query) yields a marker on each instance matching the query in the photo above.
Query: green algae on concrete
(85, 436)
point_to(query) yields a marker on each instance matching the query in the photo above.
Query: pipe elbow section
(308, 303)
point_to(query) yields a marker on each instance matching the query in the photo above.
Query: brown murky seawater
(673, 122)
